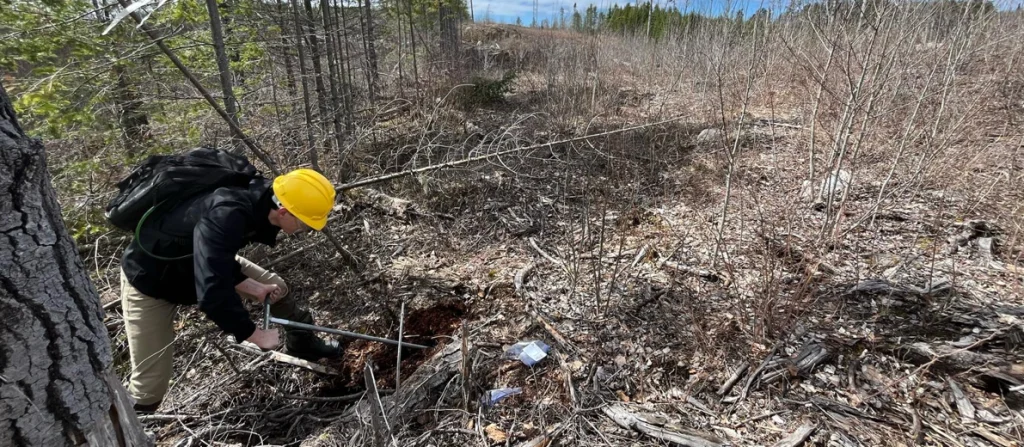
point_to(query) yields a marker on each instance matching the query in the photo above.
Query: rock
(710, 136)
(837, 184)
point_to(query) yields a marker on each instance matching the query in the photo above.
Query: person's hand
(266, 339)
(269, 291)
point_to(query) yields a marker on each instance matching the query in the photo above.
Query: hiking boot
(303, 343)
(307, 346)
(147, 408)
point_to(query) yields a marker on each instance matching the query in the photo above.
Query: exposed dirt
(431, 326)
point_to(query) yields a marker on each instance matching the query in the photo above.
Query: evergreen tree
(590, 19)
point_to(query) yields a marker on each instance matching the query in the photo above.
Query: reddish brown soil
(430, 326)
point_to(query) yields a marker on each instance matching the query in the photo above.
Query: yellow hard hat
(307, 194)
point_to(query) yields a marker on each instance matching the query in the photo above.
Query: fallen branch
(348, 258)
(735, 377)
(798, 437)
(837, 407)
(555, 333)
(699, 406)
(290, 360)
(344, 399)
(289, 256)
(758, 418)
(165, 417)
(394, 175)
(422, 388)
(551, 259)
(398, 363)
(378, 418)
(934, 359)
(626, 419)
(884, 287)
(640, 255)
(994, 438)
(705, 274)
(805, 362)
(757, 372)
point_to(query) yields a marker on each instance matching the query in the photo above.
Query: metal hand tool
(267, 319)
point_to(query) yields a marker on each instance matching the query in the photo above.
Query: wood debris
(798, 437)
(626, 419)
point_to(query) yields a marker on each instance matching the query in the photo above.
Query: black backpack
(169, 179)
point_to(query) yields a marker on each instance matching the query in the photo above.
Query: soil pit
(431, 326)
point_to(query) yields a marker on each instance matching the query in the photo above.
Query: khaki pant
(149, 323)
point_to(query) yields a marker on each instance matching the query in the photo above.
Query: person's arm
(259, 290)
(217, 237)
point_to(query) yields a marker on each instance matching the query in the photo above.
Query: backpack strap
(138, 237)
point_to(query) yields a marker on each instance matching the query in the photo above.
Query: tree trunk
(313, 158)
(412, 41)
(230, 103)
(286, 49)
(227, 11)
(448, 30)
(133, 121)
(318, 72)
(56, 387)
(332, 69)
(371, 54)
(399, 38)
(345, 62)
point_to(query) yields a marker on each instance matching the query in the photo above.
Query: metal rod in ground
(310, 327)
(266, 312)
(398, 366)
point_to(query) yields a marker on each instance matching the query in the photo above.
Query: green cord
(138, 238)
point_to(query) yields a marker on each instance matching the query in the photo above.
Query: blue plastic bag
(493, 396)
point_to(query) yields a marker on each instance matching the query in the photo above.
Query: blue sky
(506, 11)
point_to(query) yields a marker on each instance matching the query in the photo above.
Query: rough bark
(55, 382)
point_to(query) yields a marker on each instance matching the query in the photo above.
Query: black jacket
(212, 228)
